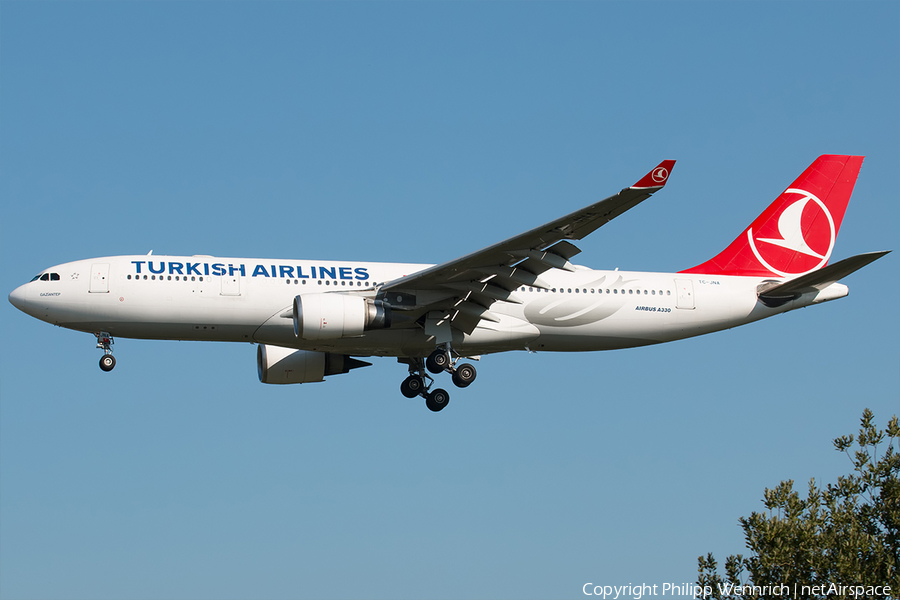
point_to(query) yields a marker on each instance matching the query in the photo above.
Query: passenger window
(615, 291)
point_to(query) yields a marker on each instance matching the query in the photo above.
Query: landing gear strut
(419, 383)
(442, 360)
(105, 342)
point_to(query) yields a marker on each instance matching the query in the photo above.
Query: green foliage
(845, 534)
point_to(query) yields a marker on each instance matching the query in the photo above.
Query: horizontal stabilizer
(816, 280)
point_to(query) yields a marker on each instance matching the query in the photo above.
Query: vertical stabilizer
(796, 233)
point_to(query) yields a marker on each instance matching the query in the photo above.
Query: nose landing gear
(105, 342)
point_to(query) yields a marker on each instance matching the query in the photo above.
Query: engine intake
(333, 316)
(279, 365)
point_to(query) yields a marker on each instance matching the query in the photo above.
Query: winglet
(657, 177)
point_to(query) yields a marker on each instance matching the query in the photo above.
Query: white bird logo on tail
(792, 236)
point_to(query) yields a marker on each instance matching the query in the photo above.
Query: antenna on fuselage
(149, 253)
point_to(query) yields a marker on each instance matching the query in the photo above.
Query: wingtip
(657, 177)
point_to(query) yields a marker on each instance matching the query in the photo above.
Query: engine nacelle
(285, 365)
(333, 316)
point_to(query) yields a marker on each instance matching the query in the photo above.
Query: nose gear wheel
(105, 342)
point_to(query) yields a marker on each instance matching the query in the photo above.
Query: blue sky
(418, 133)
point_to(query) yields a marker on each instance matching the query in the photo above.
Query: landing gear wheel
(437, 361)
(437, 400)
(107, 362)
(412, 386)
(464, 375)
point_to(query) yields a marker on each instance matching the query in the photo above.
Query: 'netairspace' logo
(638, 591)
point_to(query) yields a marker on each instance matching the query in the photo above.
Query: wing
(465, 288)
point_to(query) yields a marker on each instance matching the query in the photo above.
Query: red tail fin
(796, 234)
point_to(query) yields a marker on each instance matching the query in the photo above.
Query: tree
(847, 534)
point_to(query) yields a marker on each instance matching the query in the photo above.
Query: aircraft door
(684, 290)
(100, 278)
(231, 285)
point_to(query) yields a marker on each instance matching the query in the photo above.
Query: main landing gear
(419, 381)
(105, 342)
(442, 360)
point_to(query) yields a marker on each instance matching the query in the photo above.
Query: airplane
(315, 318)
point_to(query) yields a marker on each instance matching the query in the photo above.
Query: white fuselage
(250, 300)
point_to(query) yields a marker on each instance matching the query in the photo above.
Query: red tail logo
(796, 233)
(803, 238)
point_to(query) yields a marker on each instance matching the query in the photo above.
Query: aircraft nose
(18, 298)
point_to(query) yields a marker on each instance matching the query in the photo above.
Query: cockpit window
(45, 277)
(35, 278)
(54, 276)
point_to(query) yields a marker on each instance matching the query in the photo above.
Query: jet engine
(286, 365)
(333, 316)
